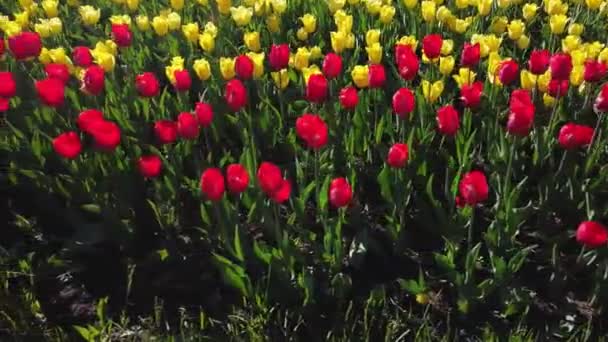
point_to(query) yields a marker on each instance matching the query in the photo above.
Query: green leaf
(385, 181)
(237, 244)
(324, 193)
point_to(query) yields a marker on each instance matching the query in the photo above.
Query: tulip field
(273, 170)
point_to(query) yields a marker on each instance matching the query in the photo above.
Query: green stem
(470, 231)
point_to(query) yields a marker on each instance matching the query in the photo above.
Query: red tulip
(94, 80)
(573, 136)
(235, 94)
(67, 145)
(591, 234)
(539, 61)
(431, 45)
(594, 71)
(473, 188)
(4, 104)
(82, 57)
(86, 118)
(269, 177)
(407, 62)
(560, 65)
(204, 113)
(278, 58)
(470, 55)
(122, 35)
(58, 71)
(282, 194)
(316, 88)
(149, 166)
(147, 85)
(165, 131)
(403, 102)
(508, 71)
(349, 98)
(51, 92)
(448, 121)
(25, 45)
(340, 193)
(521, 116)
(313, 130)
(106, 134)
(471, 94)
(183, 82)
(8, 86)
(243, 66)
(558, 88)
(187, 126)
(332, 65)
(376, 75)
(237, 178)
(212, 184)
(2, 47)
(601, 101)
(397, 155)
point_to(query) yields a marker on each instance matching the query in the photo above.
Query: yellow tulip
(432, 92)
(374, 53)
(211, 29)
(174, 21)
(142, 22)
(170, 72)
(576, 29)
(202, 69)
(428, 9)
(258, 63)
(301, 59)
(548, 100)
(499, 25)
(494, 61)
(43, 28)
(576, 76)
(422, 298)
(593, 4)
(338, 41)
(529, 11)
(315, 52)
(312, 70)
(335, 5)
(465, 77)
(50, 8)
(223, 6)
(177, 4)
(190, 31)
(515, 29)
(26, 3)
(373, 6)
(343, 21)
(603, 56)
(446, 65)
(410, 4)
(227, 68)
(241, 15)
(444, 15)
(252, 41)
(553, 7)
(579, 56)
(58, 56)
(523, 42)
(372, 37)
(460, 25)
(594, 49)
(492, 42)
(504, 3)
(120, 19)
(543, 81)
(105, 60)
(484, 7)
(44, 57)
(23, 19)
(279, 6)
(56, 25)
(310, 22)
(527, 79)
(446, 47)
(409, 40)
(360, 76)
(386, 14)
(281, 78)
(273, 22)
(570, 43)
(557, 23)
(302, 34)
(132, 5)
(160, 25)
(461, 4)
